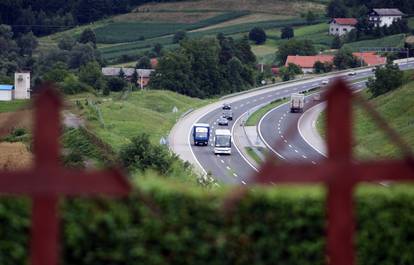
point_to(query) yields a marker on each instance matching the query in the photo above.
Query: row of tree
(207, 67)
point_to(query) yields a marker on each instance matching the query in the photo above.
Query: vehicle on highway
(325, 82)
(226, 106)
(223, 121)
(228, 114)
(201, 133)
(222, 141)
(352, 73)
(297, 101)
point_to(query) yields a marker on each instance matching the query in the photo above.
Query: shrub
(258, 35)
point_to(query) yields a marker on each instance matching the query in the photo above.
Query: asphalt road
(281, 127)
(234, 168)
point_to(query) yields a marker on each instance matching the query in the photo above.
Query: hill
(136, 32)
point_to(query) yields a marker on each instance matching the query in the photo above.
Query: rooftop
(388, 11)
(344, 21)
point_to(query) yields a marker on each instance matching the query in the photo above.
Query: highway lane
(234, 169)
(281, 125)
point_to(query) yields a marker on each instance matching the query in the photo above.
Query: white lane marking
(212, 144)
(222, 161)
(228, 168)
(304, 156)
(282, 136)
(313, 162)
(290, 146)
(212, 127)
(296, 151)
(285, 141)
(218, 155)
(284, 114)
(214, 123)
(234, 174)
(243, 182)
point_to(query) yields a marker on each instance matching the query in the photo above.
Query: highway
(234, 168)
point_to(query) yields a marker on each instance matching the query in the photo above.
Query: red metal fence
(47, 180)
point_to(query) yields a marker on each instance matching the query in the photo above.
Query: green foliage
(66, 42)
(91, 75)
(336, 42)
(206, 67)
(166, 223)
(287, 33)
(88, 36)
(289, 72)
(320, 67)
(143, 63)
(116, 84)
(14, 105)
(17, 135)
(179, 36)
(258, 35)
(345, 59)
(58, 73)
(27, 43)
(72, 85)
(141, 155)
(310, 17)
(295, 47)
(336, 8)
(389, 41)
(386, 79)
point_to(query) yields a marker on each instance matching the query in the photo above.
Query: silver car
(223, 121)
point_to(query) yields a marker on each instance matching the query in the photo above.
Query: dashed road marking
(228, 168)
(222, 161)
(296, 151)
(243, 182)
(218, 155)
(234, 174)
(313, 162)
(290, 146)
(285, 141)
(304, 156)
(282, 136)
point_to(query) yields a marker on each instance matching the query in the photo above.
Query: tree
(143, 63)
(179, 36)
(141, 155)
(66, 42)
(258, 35)
(294, 47)
(82, 54)
(116, 84)
(58, 73)
(227, 48)
(345, 59)
(336, 42)
(336, 8)
(121, 73)
(27, 43)
(157, 49)
(289, 72)
(320, 67)
(134, 78)
(244, 51)
(310, 17)
(287, 33)
(88, 35)
(91, 75)
(386, 79)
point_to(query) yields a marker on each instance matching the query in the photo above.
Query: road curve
(234, 169)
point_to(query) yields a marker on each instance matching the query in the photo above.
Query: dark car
(226, 106)
(223, 121)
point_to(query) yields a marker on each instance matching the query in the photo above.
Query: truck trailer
(297, 101)
(201, 133)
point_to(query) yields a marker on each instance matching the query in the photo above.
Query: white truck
(222, 141)
(297, 101)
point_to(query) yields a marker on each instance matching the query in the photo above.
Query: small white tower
(22, 85)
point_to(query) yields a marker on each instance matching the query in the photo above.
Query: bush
(386, 79)
(258, 35)
(168, 223)
(179, 36)
(141, 155)
(116, 84)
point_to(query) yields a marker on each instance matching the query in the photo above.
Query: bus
(222, 142)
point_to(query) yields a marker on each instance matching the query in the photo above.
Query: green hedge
(185, 225)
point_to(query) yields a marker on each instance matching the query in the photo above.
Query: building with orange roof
(306, 63)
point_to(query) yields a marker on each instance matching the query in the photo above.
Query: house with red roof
(341, 26)
(306, 63)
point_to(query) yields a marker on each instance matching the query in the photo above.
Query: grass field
(142, 111)
(397, 108)
(10, 106)
(388, 41)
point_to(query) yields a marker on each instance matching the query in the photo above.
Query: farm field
(388, 41)
(136, 32)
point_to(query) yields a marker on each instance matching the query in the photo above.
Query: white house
(341, 26)
(22, 85)
(384, 16)
(6, 92)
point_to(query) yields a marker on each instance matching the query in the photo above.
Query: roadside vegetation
(396, 107)
(254, 119)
